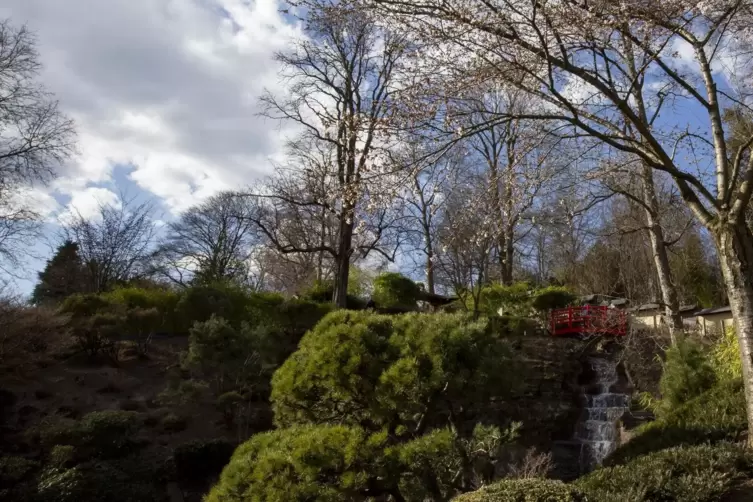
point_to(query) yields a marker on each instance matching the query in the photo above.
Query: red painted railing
(588, 320)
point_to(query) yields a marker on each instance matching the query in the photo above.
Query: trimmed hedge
(526, 490)
(683, 474)
(376, 370)
(395, 291)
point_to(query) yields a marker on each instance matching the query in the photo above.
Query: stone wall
(546, 399)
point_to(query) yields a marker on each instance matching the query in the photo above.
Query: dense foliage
(715, 415)
(395, 291)
(526, 490)
(63, 276)
(522, 299)
(683, 474)
(303, 463)
(392, 383)
(552, 297)
(688, 372)
(514, 299)
(386, 371)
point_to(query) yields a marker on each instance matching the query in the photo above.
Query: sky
(164, 94)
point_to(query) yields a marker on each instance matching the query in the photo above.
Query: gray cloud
(168, 86)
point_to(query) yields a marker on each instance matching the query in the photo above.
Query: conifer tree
(63, 276)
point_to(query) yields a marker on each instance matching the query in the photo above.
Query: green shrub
(173, 423)
(552, 297)
(374, 370)
(161, 303)
(323, 291)
(512, 325)
(122, 481)
(85, 305)
(408, 375)
(200, 460)
(496, 299)
(395, 291)
(62, 456)
(226, 354)
(716, 415)
(97, 335)
(334, 370)
(687, 373)
(527, 490)
(228, 404)
(684, 474)
(200, 303)
(434, 455)
(182, 393)
(164, 300)
(725, 357)
(440, 454)
(102, 434)
(15, 469)
(305, 463)
(263, 307)
(278, 335)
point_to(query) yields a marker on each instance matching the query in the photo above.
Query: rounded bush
(163, 302)
(377, 370)
(526, 490)
(395, 291)
(300, 464)
(552, 297)
(85, 305)
(14, 469)
(98, 434)
(323, 291)
(200, 303)
(221, 352)
(334, 371)
(499, 299)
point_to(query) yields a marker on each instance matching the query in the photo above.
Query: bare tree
(212, 241)
(466, 245)
(424, 200)
(35, 138)
(115, 243)
(341, 84)
(19, 226)
(611, 71)
(520, 158)
(656, 207)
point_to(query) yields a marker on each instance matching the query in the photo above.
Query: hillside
(350, 405)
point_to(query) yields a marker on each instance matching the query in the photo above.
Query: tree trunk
(735, 246)
(429, 253)
(322, 238)
(345, 239)
(661, 259)
(507, 254)
(430, 271)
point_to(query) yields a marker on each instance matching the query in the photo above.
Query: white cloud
(31, 199)
(168, 87)
(87, 202)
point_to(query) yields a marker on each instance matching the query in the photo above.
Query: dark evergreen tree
(63, 276)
